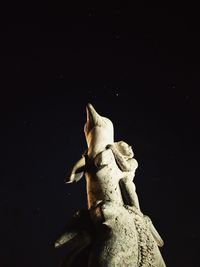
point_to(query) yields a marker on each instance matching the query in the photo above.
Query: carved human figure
(119, 234)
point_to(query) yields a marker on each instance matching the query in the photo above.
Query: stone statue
(114, 228)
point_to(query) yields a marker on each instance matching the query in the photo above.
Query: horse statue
(114, 229)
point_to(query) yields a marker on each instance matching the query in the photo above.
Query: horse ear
(74, 177)
(77, 171)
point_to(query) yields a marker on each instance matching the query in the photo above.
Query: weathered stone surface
(120, 235)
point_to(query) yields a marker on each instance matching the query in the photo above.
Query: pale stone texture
(119, 234)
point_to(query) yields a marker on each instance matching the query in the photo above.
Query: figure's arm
(124, 157)
(129, 194)
(77, 171)
(125, 160)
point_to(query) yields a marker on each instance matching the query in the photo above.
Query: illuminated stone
(119, 233)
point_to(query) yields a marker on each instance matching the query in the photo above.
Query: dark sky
(139, 66)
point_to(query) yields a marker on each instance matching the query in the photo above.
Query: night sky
(138, 66)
